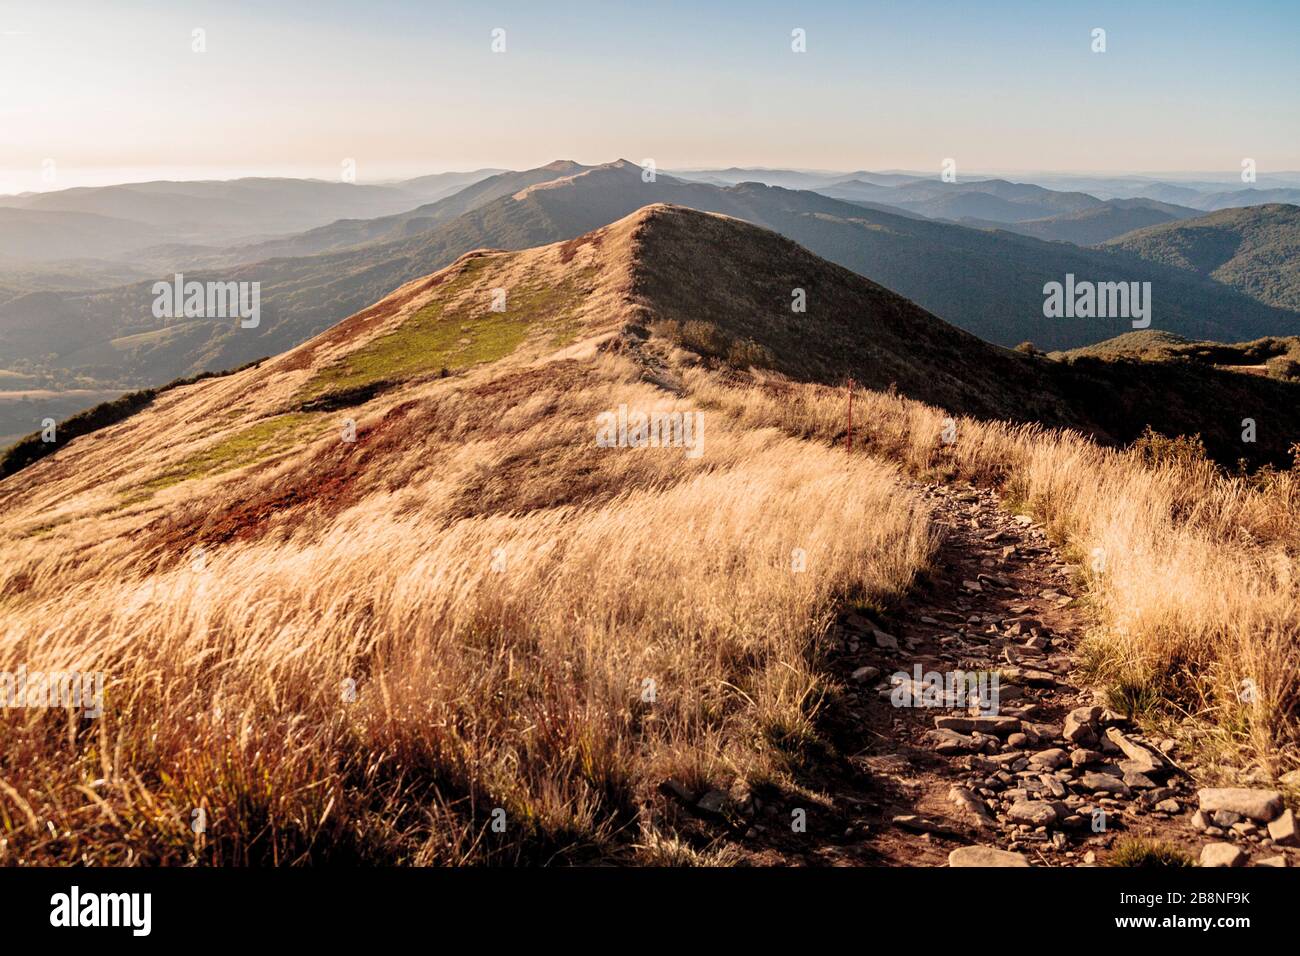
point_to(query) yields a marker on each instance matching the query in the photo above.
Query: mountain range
(108, 221)
(1256, 250)
(720, 288)
(982, 276)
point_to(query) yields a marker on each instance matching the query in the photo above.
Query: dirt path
(1054, 776)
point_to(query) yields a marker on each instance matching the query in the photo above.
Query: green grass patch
(454, 335)
(260, 440)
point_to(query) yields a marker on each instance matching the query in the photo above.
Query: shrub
(1157, 449)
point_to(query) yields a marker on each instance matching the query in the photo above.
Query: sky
(94, 92)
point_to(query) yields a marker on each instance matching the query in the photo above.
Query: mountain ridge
(636, 284)
(989, 283)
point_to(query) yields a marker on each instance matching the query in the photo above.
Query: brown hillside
(360, 598)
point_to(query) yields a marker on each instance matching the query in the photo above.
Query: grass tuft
(1139, 853)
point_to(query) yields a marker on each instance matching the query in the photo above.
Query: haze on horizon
(113, 95)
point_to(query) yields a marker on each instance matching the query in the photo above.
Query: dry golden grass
(476, 689)
(236, 570)
(1192, 572)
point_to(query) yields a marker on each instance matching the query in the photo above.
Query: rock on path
(1034, 770)
(1050, 769)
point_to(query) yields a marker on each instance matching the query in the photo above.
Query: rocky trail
(1042, 774)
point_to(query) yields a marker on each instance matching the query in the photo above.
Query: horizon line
(205, 174)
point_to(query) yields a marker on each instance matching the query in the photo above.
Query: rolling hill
(737, 302)
(990, 284)
(353, 232)
(436, 186)
(168, 221)
(1242, 198)
(1052, 193)
(221, 210)
(1254, 249)
(996, 200)
(786, 178)
(484, 483)
(418, 499)
(35, 235)
(1270, 357)
(1095, 225)
(859, 329)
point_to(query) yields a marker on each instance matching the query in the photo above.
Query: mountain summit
(987, 283)
(670, 286)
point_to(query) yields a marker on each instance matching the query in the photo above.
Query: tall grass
(1192, 571)
(541, 668)
(475, 637)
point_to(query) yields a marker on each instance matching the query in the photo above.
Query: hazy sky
(113, 90)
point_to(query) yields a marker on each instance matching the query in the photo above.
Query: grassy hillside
(1267, 355)
(359, 600)
(855, 328)
(534, 663)
(903, 345)
(1256, 250)
(990, 284)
